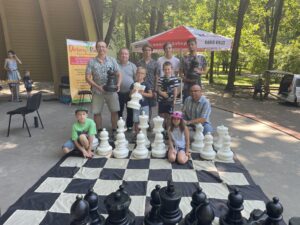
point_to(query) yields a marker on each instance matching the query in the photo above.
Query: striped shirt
(167, 84)
(200, 109)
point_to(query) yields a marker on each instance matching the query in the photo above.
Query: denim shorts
(138, 112)
(69, 144)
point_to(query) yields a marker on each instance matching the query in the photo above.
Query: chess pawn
(141, 151)
(104, 148)
(121, 125)
(274, 212)
(235, 207)
(221, 131)
(92, 198)
(225, 153)
(170, 212)
(121, 151)
(152, 218)
(158, 124)
(207, 152)
(197, 144)
(198, 198)
(205, 214)
(134, 102)
(158, 149)
(117, 205)
(143, 125)
(80, 212)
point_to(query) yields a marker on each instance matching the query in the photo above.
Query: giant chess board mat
(50, 199)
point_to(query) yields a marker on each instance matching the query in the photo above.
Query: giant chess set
(126, 184)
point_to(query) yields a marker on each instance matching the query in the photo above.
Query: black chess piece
(92, 198)
(192, 74)
(117, 206)
(80, 212)
(152, 218)
(170, 212)
(111, 83)
(274, 212)
(205, 214)
(235, 207)
(294, 221)
(198, 198)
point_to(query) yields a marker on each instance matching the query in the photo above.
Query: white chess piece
(207, 152)
(143, 125)
(198, 144)
(225, 153)
(121, 150)
(158, 124)
(140, 151)
(221, 131)
(159, 149)
(134, 102)
(121, 126)
(104, 148)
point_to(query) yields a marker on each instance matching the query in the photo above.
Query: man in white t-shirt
(169, 57)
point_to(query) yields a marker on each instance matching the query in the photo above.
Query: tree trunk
(152, 21)
(235, 50)
(160, 22)
(111, 22)
(277, 18)
(97, 10)
(212, 54)
(126, 31)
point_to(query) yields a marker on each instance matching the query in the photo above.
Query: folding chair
(33, 104)
(82, 95)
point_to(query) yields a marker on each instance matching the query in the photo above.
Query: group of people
(161, 81)
(14, 77)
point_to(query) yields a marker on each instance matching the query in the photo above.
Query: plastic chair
(33, 104)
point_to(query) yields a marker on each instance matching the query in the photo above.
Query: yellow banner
(79, 53)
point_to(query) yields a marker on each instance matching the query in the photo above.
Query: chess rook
(152, 218)
(92, 198)
(208, 152)
(104, 148)
(170, 212)
(197, 144)
(141, 151)
(80, 212)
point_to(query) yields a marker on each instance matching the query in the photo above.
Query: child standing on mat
(145, 101)
(83, 134)
(27, 83)
(179, 139)
(167, 92)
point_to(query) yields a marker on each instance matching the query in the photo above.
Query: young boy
(83, 134)
(27, 83)
(167, 92)
(145, 101)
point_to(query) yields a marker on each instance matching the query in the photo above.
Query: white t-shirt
(174, 61)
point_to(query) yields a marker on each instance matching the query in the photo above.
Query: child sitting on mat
(83, 134)
(179, 139)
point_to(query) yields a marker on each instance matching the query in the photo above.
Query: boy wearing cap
(83, 132)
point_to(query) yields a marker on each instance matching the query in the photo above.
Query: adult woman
(13, 75)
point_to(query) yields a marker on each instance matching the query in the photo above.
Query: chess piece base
(225, 156)
(120, 154)
(208, 155)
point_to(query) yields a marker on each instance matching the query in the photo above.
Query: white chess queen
(179, 139)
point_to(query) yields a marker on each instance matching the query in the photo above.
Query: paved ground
(270, 155)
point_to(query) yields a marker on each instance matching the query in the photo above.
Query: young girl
(179, 139)
(13, 75)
